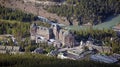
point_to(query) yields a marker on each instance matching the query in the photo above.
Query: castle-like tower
(66, 37)
(56, 31)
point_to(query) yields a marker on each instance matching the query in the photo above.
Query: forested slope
(87, 11)
(13, 14)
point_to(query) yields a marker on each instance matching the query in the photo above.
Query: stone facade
(33, 30)
(56, 31)
(36, 31)
(45, 32)
(66, 37)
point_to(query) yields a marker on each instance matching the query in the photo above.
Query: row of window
(42, 28)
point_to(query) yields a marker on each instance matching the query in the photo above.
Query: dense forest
(87, 11)
(18, 29)
(13, 14)
(37, 60)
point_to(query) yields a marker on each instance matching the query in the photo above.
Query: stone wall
(56, 31)
(67, 38)
(45, 32)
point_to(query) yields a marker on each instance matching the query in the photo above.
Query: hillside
(77, 12)
(87, 11)
(29, 7)
(109, 24)
(16, 28)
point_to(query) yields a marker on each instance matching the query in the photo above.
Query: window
(38, 38)
(37, 27)
(41, 28)
(53, 25)
(44, 28)
(62, 32)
